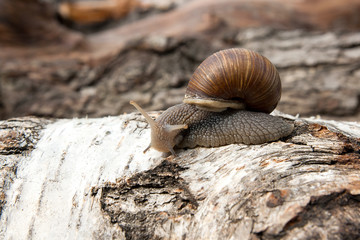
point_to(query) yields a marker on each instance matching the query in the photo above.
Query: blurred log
(321, 14)
(149, 59)
(33, 23)
(89, 178)
(198, 16)
(319, 73)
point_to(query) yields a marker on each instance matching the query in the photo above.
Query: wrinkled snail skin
(215, 109)
(213, 129)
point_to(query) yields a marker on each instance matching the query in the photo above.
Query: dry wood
(88, 179)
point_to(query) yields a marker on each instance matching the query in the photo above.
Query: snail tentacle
(164, 136)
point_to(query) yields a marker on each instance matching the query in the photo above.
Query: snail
(228, 100)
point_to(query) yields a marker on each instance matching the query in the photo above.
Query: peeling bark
(89, 178)
(139, 203)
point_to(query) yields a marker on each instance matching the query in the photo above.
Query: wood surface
(69, 175)
(88, 179)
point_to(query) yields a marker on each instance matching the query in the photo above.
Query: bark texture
(88, 179)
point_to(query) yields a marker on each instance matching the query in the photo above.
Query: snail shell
(235, 78)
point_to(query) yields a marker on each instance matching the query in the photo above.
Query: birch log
(88, 179)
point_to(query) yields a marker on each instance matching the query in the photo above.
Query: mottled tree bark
(88, 179)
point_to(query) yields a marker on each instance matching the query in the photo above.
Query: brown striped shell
(236, 78)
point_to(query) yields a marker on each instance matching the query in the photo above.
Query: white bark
(89, 179)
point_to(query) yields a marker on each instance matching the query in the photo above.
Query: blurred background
(64, 59)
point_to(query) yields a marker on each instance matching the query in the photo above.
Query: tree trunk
(88, 179)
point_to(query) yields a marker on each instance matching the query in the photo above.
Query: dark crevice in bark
(157, 194)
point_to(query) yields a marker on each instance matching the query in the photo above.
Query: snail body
(227, 101)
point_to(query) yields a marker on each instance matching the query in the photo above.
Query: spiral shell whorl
(236, 78)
